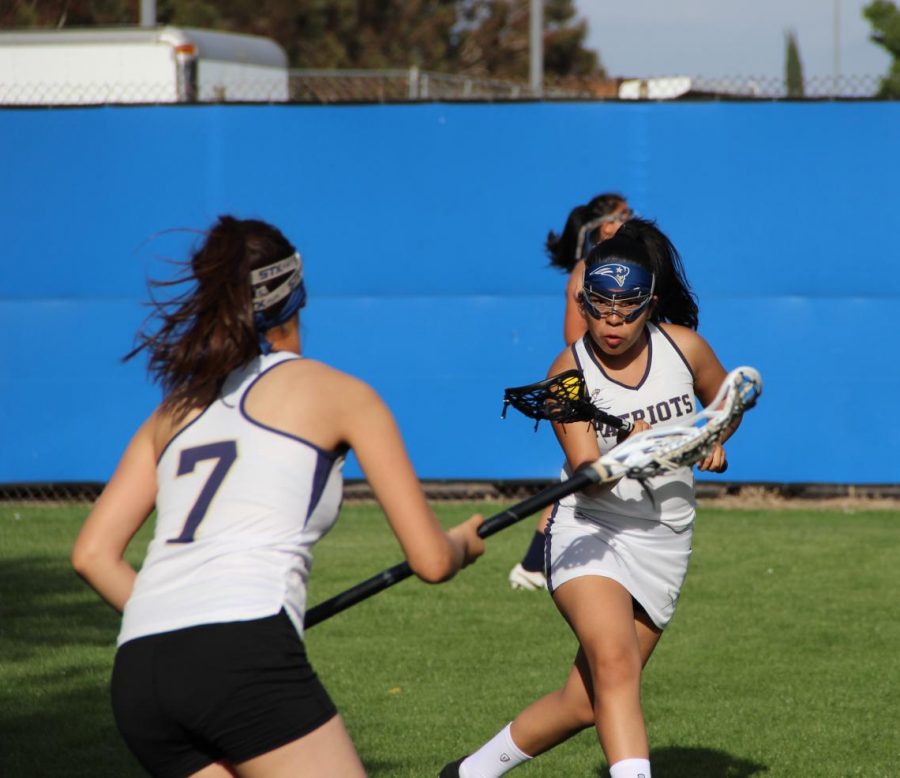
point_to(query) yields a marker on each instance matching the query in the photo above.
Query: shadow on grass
(69, 733)
(44, 604)
(58, 640)
(677, 762)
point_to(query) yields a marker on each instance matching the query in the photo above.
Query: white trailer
(139, 65)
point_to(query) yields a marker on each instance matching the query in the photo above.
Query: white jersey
(239, 508)
(663, 396)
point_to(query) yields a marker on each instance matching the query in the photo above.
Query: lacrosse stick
(561, 398)
(643, 455)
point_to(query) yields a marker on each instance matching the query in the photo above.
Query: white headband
(264, 298)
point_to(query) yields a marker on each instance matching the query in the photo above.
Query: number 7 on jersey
(225, 452)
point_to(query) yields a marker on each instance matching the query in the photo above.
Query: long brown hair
(196, 338)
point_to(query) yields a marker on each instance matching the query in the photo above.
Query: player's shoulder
(313, 370)
(564, 361)
(325, 381)
(683, 337)
(690, 343)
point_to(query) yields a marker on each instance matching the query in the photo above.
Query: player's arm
(369, 428)
(574, 325)
(708, 377)
(578, 440)
(123, 506)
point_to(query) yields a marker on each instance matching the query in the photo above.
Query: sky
(730, 38)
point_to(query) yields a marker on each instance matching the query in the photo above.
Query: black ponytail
(562, 249)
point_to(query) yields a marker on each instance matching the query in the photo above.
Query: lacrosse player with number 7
(617, 553)
(242, 462)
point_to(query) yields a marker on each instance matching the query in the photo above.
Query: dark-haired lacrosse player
(617, 554)
(586, 225)
(242, 461)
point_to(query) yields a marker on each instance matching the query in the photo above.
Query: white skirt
(648, 558)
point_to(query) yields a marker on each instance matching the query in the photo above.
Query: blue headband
(619, 279)
(264, 297)
(617, 283)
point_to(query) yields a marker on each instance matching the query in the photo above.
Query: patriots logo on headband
(617, 272)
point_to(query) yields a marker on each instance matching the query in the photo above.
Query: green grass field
(781, 661)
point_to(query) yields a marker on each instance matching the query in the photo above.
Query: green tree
(564, 50)
(494, 40)
(885, 20)
(67, 13)
(793, 68)
(334, 33)
(472, 37)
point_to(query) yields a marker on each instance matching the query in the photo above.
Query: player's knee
(615, 666)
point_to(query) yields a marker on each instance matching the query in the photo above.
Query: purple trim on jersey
(575, 351)
(332, 455)
(590, 350)
(678, 351)
(547, 542)
(324, 468)
(177, 434)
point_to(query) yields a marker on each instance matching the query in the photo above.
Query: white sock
(630, 768)
(496, 757)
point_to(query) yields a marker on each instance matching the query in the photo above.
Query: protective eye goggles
(600, 307)
(617, 287)
(589, 234)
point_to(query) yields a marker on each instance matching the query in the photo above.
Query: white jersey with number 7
(239, 508)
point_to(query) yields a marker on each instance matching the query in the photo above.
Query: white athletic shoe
(520, 578)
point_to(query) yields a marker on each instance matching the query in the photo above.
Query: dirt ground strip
(762, 498)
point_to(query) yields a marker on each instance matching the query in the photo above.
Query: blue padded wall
(422, 227)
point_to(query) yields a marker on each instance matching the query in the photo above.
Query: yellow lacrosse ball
(572, 387)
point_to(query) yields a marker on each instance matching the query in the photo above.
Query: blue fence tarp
(422, 228)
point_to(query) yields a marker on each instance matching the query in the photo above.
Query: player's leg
(545, 723)
(215, 770)
(327, 752)
(559, 715)
(565, 712)
(529, 574)
(549, 721)
(616, 644)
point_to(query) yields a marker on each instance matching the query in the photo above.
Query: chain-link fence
(101, 92)
(414, 85)
(354, 491)
(328, 86)
(504, 491)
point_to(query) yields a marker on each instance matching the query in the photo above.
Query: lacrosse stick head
(659, 450)
(561, 398)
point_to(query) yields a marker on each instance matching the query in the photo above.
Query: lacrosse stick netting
(560, 398)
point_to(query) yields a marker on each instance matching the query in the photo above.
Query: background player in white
(586, 225)
(242, 461)
(617, 555)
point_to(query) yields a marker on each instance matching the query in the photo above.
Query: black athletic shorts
(218, 692)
